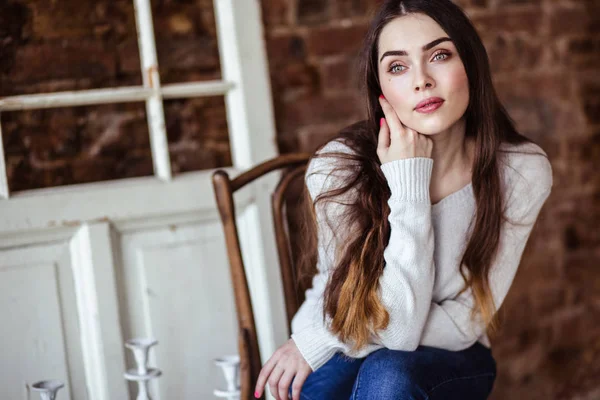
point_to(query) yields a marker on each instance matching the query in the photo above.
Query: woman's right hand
(285, 365)
(396, 141)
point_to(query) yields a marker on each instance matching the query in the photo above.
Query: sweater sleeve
(406, 283)
(449, 324)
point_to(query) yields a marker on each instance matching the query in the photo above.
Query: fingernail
(256, 395)
(381, 122)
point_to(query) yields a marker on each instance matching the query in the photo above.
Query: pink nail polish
(381, 122)
(256, 395)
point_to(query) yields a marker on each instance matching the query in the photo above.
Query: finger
(298, 383)
(265, 372)
(394, 124)
(274, 380)
(284, 383)
(411, 133)
(429, 147)
(383, 142)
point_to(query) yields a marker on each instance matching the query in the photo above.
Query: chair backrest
(224, 189)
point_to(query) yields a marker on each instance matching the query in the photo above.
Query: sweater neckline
(455, 197)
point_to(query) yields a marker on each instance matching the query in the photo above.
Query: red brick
(284, 48)
(508, 20)
(312, 136)
(294, 75)
(287, 142)
(276, 13)
(575, 328)
(195, 75)
(340, 74)
(52, 21)
(470, 4)
(196, 120)
(208, 23)
(524, 364)
(313, 11)
(542, 105)
(548, 299)
(187, 53)
(516, 312)
(64, 59)
(335, 39)
(544, 85)
(583, 52)
(356, 8)
(581, 270)
(197, 134)
(314, 110)
(513, 53)
(175, 19)
(128, 57)
(573, 19)
(78, 19)
(190, 157)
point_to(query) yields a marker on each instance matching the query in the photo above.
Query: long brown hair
(351, 299)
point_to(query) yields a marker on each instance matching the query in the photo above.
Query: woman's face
(414, 65)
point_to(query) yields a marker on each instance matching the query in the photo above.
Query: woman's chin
(426, 129)
(430, 127)
(433, 124)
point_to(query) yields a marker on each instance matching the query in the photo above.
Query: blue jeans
(427, 373)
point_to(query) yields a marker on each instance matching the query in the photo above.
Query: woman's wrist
(409, 178)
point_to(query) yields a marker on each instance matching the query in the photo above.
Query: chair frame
(224, 189)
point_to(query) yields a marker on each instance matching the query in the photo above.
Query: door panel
(176, 288)
(39, 335)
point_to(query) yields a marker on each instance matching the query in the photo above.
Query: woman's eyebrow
(425, 48)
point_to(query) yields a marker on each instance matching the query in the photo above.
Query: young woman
(422, 213)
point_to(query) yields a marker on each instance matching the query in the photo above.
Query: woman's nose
(423, 81)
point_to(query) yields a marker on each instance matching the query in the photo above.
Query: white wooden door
(85, 267)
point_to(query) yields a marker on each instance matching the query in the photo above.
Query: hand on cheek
(396, 141)
(386, 105)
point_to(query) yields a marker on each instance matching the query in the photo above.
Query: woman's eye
(446, 55)
(396, 68)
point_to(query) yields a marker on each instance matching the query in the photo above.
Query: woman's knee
(334, 379)
(389, 374)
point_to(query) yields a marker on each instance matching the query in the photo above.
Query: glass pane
(197, 134)
(186, 40)
(50, 46)
(62, 146)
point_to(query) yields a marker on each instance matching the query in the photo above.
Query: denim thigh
(334, 380)
(427, 373)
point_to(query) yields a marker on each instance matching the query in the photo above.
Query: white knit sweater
(421, 278)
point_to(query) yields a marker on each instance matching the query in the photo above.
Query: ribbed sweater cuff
(409, 178)
(316, 348)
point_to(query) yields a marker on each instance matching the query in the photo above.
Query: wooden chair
(224, 188)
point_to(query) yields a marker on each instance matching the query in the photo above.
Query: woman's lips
(431, 107)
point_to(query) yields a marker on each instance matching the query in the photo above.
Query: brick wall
(544, 56)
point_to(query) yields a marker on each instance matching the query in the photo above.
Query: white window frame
(244, 73)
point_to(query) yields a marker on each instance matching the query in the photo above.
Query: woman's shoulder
(336, 154)
(334, 146)
(340, 143)
(328, 166)
(332, 164)
(526, 161)
(526, 171)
